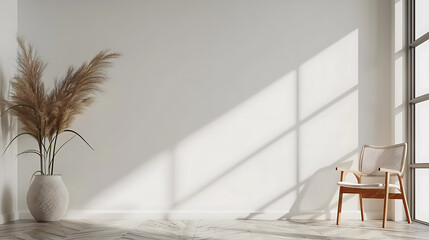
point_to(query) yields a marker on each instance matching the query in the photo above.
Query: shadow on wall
(7, 203)
(218, 109)
(6, 200)
(289, 114)
(5, 124)
(319, 186)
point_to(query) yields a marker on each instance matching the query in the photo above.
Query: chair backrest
(374, 157)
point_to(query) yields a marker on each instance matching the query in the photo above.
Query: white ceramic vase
(47, 198)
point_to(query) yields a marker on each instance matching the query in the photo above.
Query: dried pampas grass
(46, 114)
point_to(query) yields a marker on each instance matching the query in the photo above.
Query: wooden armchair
(376, 161)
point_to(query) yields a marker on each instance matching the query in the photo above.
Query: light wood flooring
(210, 229)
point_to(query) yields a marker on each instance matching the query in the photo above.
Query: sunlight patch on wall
(266, 174)
(399, 26)
(399, 81)
(399, 127)
(235, 138)
(399, 108)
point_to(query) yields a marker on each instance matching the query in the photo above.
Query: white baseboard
(7, 217)
(273, 215)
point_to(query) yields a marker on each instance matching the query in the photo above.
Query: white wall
(8, 164)
(399, 97)
(223, 109)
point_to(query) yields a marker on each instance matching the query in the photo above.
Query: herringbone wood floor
(205, 229)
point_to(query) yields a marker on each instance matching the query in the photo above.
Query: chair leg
(361, 207)
(386, 198)
(340, 203)
(404, 200)
(407, 212)
(361, 202)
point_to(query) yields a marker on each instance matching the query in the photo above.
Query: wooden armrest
(390, 171)
(349, 170)
(344, 171)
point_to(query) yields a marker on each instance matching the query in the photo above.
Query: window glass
(421, 111)
(422, 132)
(422, 69)
(422, 194)
(421, 17)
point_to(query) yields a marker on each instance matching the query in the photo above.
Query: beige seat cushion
(367, 185)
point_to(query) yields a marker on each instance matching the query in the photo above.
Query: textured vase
(47, 198)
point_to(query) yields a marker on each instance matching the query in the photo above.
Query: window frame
(412, 43)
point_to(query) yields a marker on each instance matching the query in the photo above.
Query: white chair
(376, 161)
